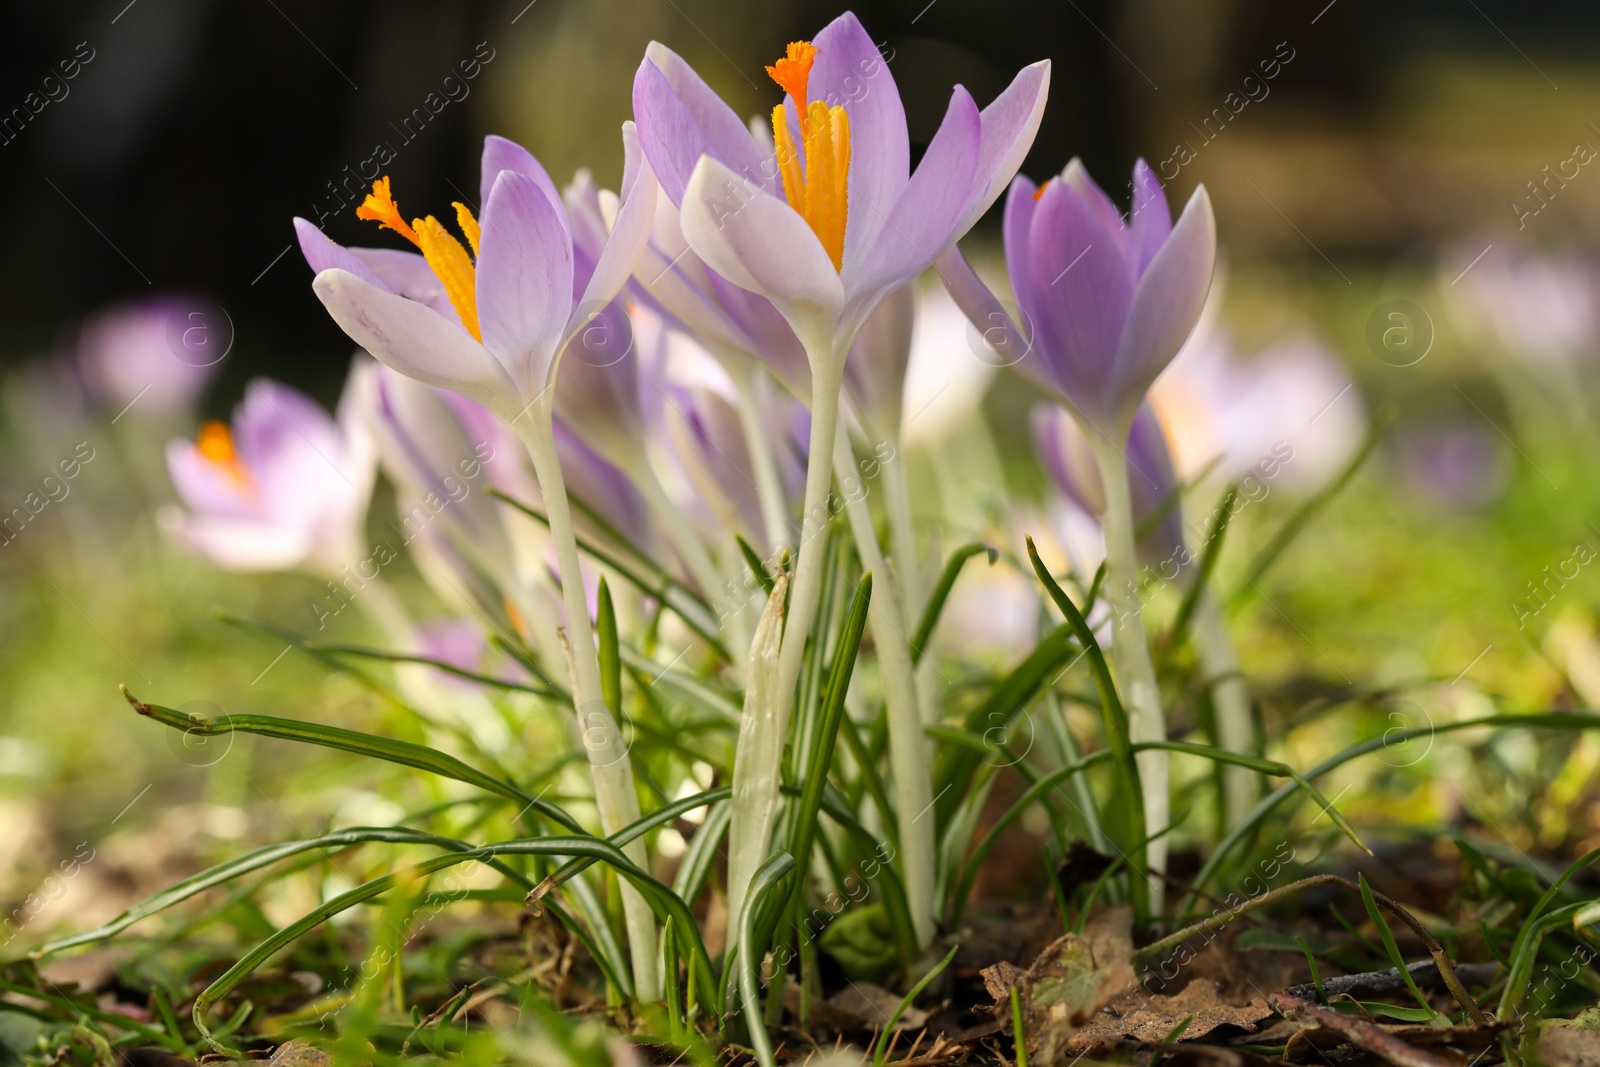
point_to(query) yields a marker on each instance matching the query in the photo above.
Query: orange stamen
(215, 444)
(469, 225)
(379, 207)
(821, 193)
(1037, 193)
(453, 267)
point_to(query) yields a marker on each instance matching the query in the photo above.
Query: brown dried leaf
(1073, 979)
(1143, 1017)
(1567, 1044)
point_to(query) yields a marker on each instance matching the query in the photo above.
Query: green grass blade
(1308, 510)
(391, 750)
(1208, 563)
(1389, 945)
(633, 831)
(941, 593)
(223, 873)
(881, 1052)
(701, 856)
(1114, 718)
(754, 562)
(606, 649)
(547, 691)
(762, 888)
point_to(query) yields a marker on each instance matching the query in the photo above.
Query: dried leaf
(1146, 1018)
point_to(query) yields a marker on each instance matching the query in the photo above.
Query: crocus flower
(489, 325)
(286, 487)
(156, 354)
(827, 218)
(1541, 308)
(1288, 415)
(1070, 463)
(1105, 304)
(1458, 466)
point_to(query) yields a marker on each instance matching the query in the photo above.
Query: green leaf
(1208, 563)
(1389, 945)
(610, 659)
(1114, 718)
(762, 887)
(941, 593)
(881, 1052)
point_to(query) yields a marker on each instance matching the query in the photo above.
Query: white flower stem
(908, 572)
(1230, 698)
(908, 746)
(1130, 651)
(758, 441)
(608, 759)
(827, 375)
(758, 760)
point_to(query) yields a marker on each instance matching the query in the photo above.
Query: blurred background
(1427, 159)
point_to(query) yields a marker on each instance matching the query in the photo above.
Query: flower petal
(1010, 123)
(630, 231)
(850, 71)
(1168, 301)
(759, 242)
(1077, 176)
(998, 326)
(875, 372)
(414, 340)
(500, 154)
(323, 253)
(922, 222)
(238, 544)
(1152, 219)
(524, 279)
(407, 274)
(1078, 296)
(680, 119)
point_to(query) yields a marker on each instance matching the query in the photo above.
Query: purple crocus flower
(285, 488)
(1070, 463)
(827, 218)
(489, 327)
(157, 354)
(1105, 304)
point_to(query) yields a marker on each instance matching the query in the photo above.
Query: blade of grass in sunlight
(941, 593)
(768, 878)
(1114, 719)
(1208, 564)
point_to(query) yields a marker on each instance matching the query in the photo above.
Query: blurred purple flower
(1105, 304)
(1458, 466)
(1541, 308)
(285, 488)
(1290, 413)
(155, 354)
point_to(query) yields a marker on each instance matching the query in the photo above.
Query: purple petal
(524, 279)
(1151, 483)
(759, 242)
(1066, 456)
(850, 71)
(597, 387)
(1021, 203)
(631, 227)
(501, 154)
(1152, 220)
(993, 321)
(771, 337)
(324, 253)
(1167, 303)
(1010, 123)
(922, 222)
(680, 119)
(1077, 176)
(1077, 298)
(414, 340)
(407, 274)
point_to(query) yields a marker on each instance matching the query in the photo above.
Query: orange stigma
(445, 254)
(215, 444)
(1037, 193)
(821, 192)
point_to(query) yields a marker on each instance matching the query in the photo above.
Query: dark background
(200, 128)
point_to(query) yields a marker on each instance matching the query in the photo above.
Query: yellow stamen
(215, 444)
(379, 207)
(468, 224)
(454, 268)
(821, 194)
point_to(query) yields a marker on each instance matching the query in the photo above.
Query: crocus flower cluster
(667, 383)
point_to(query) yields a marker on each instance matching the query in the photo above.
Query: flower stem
(1130, 651)
(769, 486)
(1231, 698)
(608, 758)
(908, 573)
(908, 746)
(827, 375)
